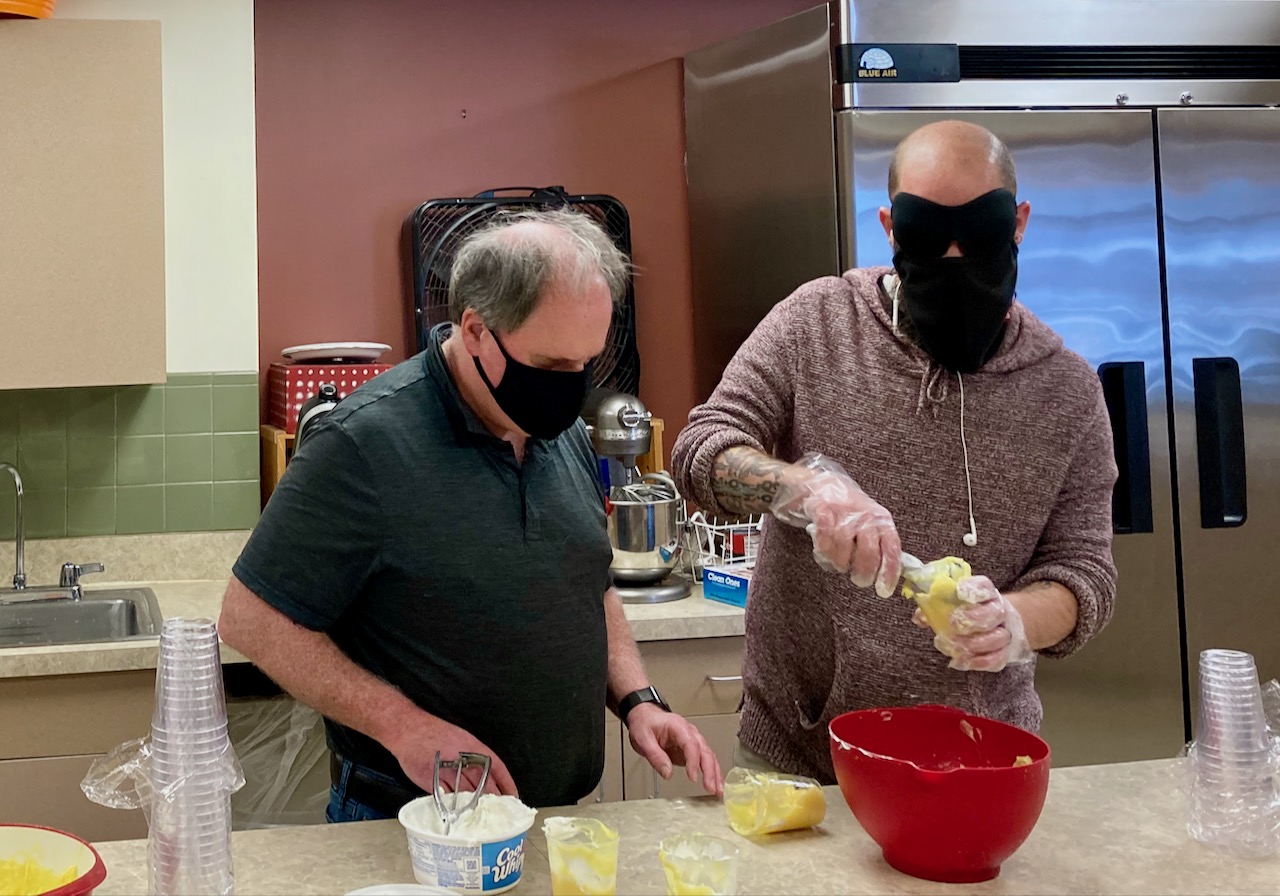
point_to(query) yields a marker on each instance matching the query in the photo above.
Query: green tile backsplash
(127, 460)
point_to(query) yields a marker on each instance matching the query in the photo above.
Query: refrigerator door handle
(1220, 442)
(1124, 386)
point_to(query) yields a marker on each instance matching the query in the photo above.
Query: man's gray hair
(502, 273)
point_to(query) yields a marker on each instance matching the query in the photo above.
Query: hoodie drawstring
(971, 537)
(933, 388)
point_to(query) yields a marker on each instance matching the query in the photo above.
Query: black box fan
(436, 228)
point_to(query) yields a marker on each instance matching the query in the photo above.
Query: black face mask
(957, 305)
(543, 403)
(983, 226)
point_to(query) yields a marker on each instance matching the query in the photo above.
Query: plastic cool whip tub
(484, 853)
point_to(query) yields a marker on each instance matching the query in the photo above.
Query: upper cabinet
(82, 258)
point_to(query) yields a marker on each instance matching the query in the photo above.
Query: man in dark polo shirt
(432, 572)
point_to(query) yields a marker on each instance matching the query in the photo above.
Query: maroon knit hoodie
(825, 371)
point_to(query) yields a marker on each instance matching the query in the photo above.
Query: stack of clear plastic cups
(193, 769)
(1234, 803)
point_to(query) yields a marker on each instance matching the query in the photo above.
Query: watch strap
(635, 698)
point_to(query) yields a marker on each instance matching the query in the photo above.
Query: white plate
(336, 351)
(400, 890)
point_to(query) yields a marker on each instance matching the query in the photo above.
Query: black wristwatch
(635, 698)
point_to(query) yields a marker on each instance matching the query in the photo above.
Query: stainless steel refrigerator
(1147, 141)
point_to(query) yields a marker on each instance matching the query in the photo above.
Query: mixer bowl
(937, 788)
(645, 536)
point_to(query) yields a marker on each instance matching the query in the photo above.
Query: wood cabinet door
(610, 789)
(47, 792)
(74, 715)
(640, 782)
(82, 234)
(698, 677)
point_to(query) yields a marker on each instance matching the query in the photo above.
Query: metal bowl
(645, 527)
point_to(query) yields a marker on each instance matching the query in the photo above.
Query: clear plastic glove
(985, 633)
(851, 533)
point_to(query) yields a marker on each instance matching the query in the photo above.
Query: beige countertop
(1105, 829)
(692, 617)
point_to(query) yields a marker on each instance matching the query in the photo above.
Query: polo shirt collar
(465, 421)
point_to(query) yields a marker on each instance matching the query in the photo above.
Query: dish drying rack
(714, 543)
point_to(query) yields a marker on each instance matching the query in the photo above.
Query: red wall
(360, 118)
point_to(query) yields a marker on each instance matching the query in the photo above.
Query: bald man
(917, 409)
(432, 573)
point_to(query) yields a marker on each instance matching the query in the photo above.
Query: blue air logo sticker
(877, 63)
(897, 63)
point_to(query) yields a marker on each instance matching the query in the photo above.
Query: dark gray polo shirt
(409, 534)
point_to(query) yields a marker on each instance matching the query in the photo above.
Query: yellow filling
(766, 802)
(580, 870)
(938, 598)
(583, 856)
(25, 877)
(1021, 761)
(699, 866)
(676, 886)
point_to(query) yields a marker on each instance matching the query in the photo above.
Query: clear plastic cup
(1220, 656)
(1244, 692)
(183, 725)
(195, 768)
(1232, 693)
(583, 853)
(212, 771)
(189, 681)
(1234, 806)
(178, 718)
(177, 749)
(186, 715)
(699, 864)
(193, 734)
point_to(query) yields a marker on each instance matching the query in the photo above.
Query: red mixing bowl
(55, 850)
(937, 788)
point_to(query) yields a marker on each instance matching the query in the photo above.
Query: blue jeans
(342, 807)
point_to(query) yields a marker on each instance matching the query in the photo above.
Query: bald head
(951, 162)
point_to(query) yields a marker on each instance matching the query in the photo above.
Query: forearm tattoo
(745, 480)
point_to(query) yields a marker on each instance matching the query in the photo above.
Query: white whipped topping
(493, 818)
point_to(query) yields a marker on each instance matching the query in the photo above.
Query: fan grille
(438, 227)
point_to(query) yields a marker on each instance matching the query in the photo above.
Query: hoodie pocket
(883, 660)
(837, 694)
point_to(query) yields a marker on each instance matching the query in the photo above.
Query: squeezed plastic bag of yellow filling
(933, 588)
(770, 802)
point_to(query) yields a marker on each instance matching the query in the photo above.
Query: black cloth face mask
(983, 226)
(543, 403)
(957, 305)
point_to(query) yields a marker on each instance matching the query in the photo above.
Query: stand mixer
(646, 514)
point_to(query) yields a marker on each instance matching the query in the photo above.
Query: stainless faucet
(19, 574)
(69, 580)
(71, 573)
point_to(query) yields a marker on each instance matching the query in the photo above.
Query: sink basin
(51, 617)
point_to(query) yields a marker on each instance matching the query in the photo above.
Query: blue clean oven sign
(897, 63)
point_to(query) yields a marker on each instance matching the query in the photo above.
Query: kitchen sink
(52, 617)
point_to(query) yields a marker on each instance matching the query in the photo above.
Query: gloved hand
(985, 631)
(851, 533)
